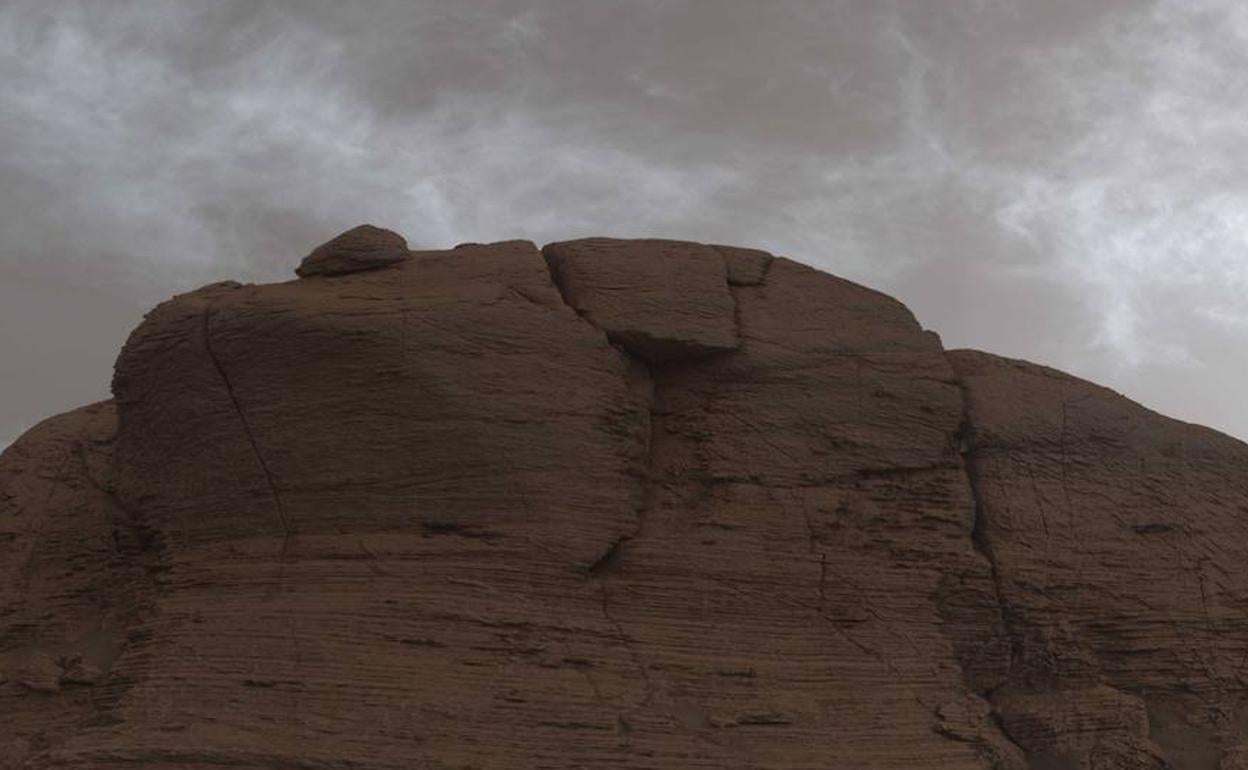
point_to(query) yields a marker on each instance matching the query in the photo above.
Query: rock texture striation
(610, 504)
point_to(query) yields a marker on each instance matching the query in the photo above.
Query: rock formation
(630, 504)
(366, 247)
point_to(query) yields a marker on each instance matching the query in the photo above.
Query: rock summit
(610, 504)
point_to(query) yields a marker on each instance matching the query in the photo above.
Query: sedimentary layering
(629, 504)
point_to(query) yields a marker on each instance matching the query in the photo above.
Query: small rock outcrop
(361, 248)
(633, 504)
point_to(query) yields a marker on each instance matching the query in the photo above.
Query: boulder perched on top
(361, 248)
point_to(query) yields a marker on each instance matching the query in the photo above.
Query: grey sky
(1060, 181)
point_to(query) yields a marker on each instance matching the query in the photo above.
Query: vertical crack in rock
(629, 645)
(744, 266)
(813, 545)
(737, 280)
(134, 579)
(145, 536)
(247, 431)
(610, 560)
(736, 283)
(606, 565)
(603, 567)
(983, 545)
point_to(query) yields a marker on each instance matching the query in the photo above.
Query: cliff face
(629, 504)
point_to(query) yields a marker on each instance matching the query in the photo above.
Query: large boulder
(365, 247)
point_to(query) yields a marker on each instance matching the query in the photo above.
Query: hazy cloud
(1058, 181)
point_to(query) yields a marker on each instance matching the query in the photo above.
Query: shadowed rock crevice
(136, 542)
(983, 546)
(986, 684)
(641, 376)
(606, 281)
(662, 303)
(745, 267)
(610, 560)
(246, 427)
(592, 276)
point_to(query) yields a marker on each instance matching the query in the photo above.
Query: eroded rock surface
(1118, 537)
(634, 504)
(659, 300)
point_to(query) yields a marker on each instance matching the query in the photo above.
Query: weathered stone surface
(746, 267)
(1118, 537)
(38, 672)
(1092, 725)
(365, 247)
(806, 507)
(660, 300)
(75, 580)
(431, 516)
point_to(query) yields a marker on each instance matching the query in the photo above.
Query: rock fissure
(983, 546)
(734, 288)
(744, 267)
(246, 426)
(144, 560)
(636, 348)
(813, 546)
(146, 536)
(610, 559)
(629, 644)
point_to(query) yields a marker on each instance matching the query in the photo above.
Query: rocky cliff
(617, 504)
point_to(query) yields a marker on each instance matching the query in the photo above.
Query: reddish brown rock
(746, 267)
(431, 516)
(75, 581)
(1118, 538)
(38, 673)
(660, 300)
(361, 248)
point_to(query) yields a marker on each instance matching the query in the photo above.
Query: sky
(1064, 181)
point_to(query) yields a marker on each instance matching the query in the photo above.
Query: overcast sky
(1064, 181)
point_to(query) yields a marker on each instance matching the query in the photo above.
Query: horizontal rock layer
(628, 504)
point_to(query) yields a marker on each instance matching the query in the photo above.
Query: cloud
(1054, 180)
(228, 165)
(1143, 201)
